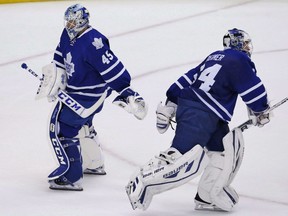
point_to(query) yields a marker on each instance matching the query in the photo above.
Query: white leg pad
(214, 186)
(169, 170)
(234, 152)
(210, 175)
(91, 151)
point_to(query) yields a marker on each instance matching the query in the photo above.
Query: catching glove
(54, 78)
(164, 115)
(132, 102)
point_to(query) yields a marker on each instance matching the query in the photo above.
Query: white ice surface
(157, 41)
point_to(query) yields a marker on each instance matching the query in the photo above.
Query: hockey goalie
(83, 73)
(203, 102)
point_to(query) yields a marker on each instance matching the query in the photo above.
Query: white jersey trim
(219, 105)
(210, 107)
(87, 94)
(86, 87)
(116, 76)
(87, 30)
(110, 68)
(179, 85)
(187, 79)
(251, 89)
(58, 53)
(124, 89)
(59, 64)
(256, 98)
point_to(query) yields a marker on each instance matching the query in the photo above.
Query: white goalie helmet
(239, 40)
(76, 19)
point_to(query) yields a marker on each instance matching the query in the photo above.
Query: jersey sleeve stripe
(124, 90)
(110, 68)
(187, 79)
(59, 64)
(179, 85)
(87, 94)
(58, 53)
(251, 89)
(86, 87)
(116, 76)
(256, 98)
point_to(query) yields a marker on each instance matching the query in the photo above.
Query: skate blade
(66, 188)
(97, 171)
(94, 172)
(206, 207)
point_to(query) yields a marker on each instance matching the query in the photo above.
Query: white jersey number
(107, 57)
(207, 77)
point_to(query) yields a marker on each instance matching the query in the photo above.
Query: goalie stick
(234, 145)
(68, 100)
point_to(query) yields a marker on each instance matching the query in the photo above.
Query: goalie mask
(239, 40)
(76, 19)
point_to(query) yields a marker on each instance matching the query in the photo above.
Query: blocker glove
(259, 118)
(132, 102)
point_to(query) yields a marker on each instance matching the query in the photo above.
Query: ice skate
(63, 183)
(97, 171)
(203, 205)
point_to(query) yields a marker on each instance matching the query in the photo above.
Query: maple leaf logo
(98, 43)
(69, 65)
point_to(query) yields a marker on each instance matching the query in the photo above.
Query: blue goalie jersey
(92, 68)
(218, 81)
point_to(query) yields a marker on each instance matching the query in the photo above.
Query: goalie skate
(98, 171)
(202, 205)
(64, 184)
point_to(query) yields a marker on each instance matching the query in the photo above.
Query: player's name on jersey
(216, 57)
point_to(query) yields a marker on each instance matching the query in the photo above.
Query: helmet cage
(238, 40)
(76, 18)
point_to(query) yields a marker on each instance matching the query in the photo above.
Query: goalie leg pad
(72, 178)
(93, 160)
(60, 154)
(234, 152)
(164, 172)
(204, 205)
(214, 186)
(67, 153)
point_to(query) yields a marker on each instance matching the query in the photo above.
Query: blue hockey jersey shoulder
(90, 65)
(217, 82)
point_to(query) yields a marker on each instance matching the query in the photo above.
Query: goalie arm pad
(53, 79)
(164, 115)
(132, 102)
